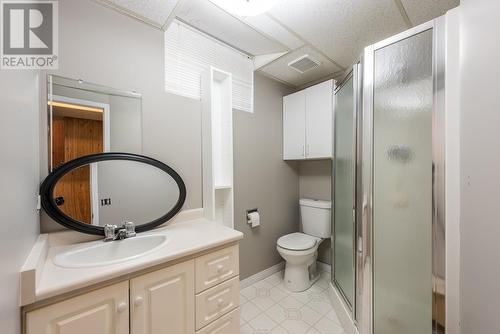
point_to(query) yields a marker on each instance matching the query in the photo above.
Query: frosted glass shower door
(402, 186)
(344, 190)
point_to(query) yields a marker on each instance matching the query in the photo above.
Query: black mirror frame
(49, 205)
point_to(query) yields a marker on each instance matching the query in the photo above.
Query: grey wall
(262, 179)
(104, 47)
(19, 176)
(480, 166)
(315, 181)
(140, 193)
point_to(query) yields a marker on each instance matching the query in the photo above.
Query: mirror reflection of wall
(116, 191)
(86, 119)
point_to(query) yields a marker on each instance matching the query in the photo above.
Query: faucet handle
(130, 229)
(109, 232)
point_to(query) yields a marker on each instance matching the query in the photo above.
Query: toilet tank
(315, 217)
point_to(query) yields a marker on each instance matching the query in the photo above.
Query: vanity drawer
(217, 301)
(227, 324)
(216, 267)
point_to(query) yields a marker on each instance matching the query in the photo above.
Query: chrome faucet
(129, 229)
(112, 232)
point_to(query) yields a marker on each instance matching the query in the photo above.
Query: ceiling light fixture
(73, 106)
(245, 7)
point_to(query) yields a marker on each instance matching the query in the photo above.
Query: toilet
(300, 250)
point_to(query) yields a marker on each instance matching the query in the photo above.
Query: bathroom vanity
(188, 284)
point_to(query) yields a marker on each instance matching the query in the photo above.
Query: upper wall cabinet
(307, 123)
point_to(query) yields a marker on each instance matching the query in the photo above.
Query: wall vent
(304, 64)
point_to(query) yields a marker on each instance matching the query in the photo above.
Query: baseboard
(342, 310)
(324, 267)
(261, 275)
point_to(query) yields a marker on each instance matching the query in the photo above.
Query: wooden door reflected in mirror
(77, 131)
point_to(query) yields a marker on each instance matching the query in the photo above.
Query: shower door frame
(350, 75)
(366, 177)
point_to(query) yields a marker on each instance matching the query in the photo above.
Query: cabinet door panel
(104, 311)
(163, 301)
(319, 109)
(294, 116)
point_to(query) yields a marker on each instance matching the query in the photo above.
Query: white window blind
(188, 53)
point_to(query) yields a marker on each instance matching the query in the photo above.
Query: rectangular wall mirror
(84, 119)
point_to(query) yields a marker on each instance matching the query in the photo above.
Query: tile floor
(268, 308)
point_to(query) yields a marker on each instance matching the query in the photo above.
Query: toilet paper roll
(254, 219)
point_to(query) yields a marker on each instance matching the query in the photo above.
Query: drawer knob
(138, 301)
(220, 267)
(220, 302)
(122, 307)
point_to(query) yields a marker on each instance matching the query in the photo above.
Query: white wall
(18, 186)
(480, 164)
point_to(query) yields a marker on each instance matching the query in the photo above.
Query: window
(189, 53)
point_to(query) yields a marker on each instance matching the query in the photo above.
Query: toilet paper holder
(248, 212)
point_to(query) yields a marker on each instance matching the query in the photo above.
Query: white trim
(261, 275)
(274, 269)
(341, 310)
(324, 267)
(94, 193)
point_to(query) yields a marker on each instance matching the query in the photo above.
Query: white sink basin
(99, 253)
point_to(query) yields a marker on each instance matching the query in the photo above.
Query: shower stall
(388, 186)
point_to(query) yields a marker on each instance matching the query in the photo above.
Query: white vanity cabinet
(197, 296)
(307, 123)
(163, 299)
(103, 311)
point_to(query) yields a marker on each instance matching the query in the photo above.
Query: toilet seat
(297, 241)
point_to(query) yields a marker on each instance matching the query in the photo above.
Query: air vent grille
(304, 64)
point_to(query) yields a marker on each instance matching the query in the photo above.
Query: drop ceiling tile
(207, 17)
(424, 10)
(340, 28)
(156, 11)
(280, 69)
(273, 29)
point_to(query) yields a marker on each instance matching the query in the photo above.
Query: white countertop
(184, 239)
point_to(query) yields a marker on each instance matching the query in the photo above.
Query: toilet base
(300, 277)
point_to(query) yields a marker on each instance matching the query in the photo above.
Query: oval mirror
(112, 188)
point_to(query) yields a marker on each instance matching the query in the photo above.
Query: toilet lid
(297, 241)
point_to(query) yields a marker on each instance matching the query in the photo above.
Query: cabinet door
(163, 301)
(104, 311)
(319, 110)
(294, 116)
